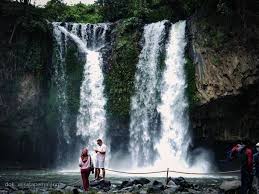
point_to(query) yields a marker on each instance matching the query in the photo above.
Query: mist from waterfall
(153, 147)
(91, 119)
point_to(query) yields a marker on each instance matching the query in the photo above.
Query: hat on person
(257, 145)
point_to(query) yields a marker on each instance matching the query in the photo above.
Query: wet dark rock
(75, 191)
(181, 182)
(142, 181)
(156, 187)
(94, 183)
(12, 188)
(171, 190)
(103, 185)
(126, 184)
(211, 191)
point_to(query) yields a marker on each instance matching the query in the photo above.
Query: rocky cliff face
(24, 85)
(224, 48)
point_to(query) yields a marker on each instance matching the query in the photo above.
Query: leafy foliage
(74, 69)
(149, 11)
(112, 10)
(56, 10)
(120, 78)
(191, 90)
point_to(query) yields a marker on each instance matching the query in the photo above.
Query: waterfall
(165, 146)
(144, 116)
(175, 139)
(91, 121)
(90, 39)
(60, 82)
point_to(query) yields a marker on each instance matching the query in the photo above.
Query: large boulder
(156, 187)
(125, 184)
(181, 182)
(101, 185)
(142, 181)
(171, 187)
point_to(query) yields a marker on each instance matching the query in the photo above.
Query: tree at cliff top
(149, 11)
(57, 10)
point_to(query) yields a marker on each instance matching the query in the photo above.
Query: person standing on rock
(86, 166)
(245, 153)
(100, 159)
(256, 165)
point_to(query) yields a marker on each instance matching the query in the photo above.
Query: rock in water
(171, 190)
(156, 187)
(171, 187)
(126, 184)
(230, 185)
(142, 181)
(171, 184)
(104, 183)
(101, 185)
(61, 185)
(181, 182)
(69, 188)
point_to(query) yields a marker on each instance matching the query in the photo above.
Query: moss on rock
(191, 90)
(120, 77)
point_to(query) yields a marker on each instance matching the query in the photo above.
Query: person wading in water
(86, 166)
(100, 159)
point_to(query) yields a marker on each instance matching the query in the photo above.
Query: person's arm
(80, 162)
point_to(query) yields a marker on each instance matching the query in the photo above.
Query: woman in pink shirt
(86, 166)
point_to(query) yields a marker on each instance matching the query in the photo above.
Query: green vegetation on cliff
(149, 11)
(120, 77)
(74, 69)
(191, 90)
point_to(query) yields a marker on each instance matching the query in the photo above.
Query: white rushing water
(91, 119)
(170, 142)
(143, 104)
(60, 81)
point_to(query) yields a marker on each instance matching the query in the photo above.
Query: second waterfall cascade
(159, 136)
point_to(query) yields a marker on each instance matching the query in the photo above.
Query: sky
(43, 2)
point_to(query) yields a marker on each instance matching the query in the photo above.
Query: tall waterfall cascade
(89, 38)
(143, 114)
(165, 146)
(60, 81)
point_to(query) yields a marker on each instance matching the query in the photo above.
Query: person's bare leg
(103, 172)
(98, 173)
(95, 173)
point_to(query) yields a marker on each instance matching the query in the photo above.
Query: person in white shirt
(100, 159)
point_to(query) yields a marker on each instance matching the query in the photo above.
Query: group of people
(249, 156)
(86, 164)
(245, 151)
